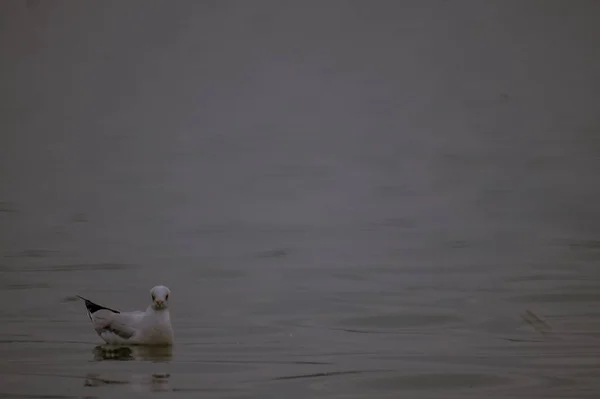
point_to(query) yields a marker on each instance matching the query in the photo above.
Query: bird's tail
(92, 307)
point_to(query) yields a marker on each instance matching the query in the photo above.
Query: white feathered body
(152, 327)
(143, 328)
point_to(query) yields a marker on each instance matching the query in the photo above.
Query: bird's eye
(153, 297)
(167, 297)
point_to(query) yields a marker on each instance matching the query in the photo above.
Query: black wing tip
(94, 307)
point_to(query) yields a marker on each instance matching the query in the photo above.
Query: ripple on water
(33, 253)
(402, 320)
(82, 267)
(558, 297)
(436, 381)
(76, 267)
(14, 285)
(126, 353)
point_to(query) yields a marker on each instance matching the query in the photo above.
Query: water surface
(345, 199)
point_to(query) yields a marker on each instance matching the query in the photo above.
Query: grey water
(347, 199)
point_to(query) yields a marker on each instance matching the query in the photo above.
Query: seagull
(152, 327)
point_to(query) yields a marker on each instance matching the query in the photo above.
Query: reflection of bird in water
(160, 382)
(124, 353)
(152, 327)
(157, 382)
(94, 380)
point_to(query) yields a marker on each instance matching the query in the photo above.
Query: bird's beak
(159, 303)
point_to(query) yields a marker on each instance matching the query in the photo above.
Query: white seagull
(152, 327)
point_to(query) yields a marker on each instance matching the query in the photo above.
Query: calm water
(347, 199)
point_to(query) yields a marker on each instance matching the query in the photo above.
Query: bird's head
(160, 297)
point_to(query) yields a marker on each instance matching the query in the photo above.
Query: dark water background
(348, 199)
